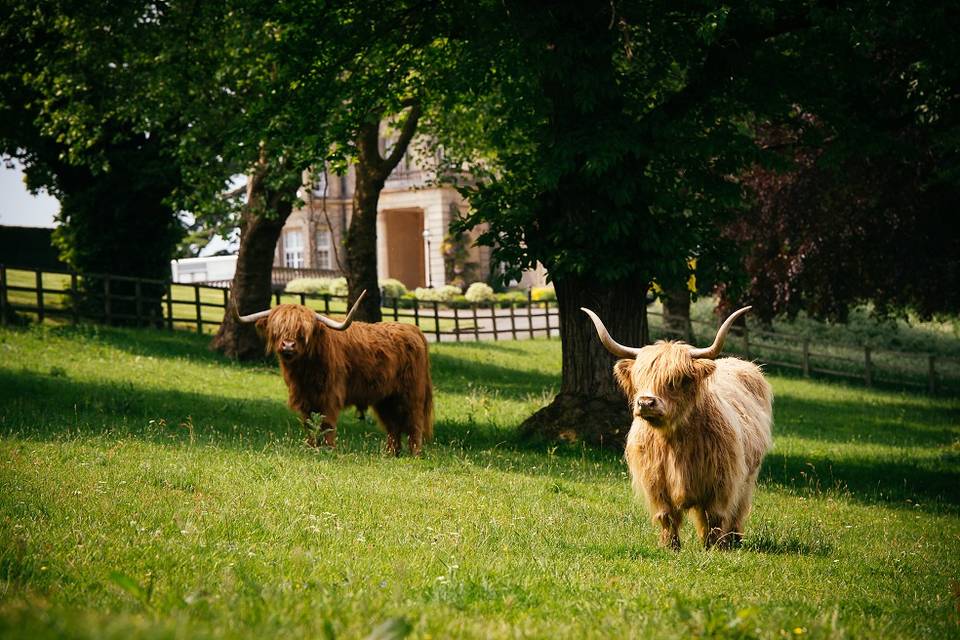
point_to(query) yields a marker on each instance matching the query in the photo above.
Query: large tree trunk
(372, 171)
(262, 220)
(590, 405)
(676, 311)
(361, 245)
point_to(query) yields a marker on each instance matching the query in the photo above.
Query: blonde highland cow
(701, 427)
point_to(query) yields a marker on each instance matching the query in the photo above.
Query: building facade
(414, 244)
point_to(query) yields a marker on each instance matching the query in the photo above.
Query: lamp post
(426, 236)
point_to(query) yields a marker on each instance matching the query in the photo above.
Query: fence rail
(72, 297)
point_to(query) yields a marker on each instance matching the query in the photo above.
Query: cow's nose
(287, 345)
(646, 402)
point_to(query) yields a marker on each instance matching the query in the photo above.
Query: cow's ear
(261, 325)
(621, 371)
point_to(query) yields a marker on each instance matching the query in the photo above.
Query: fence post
(493, 321)
(326, 304)
(513, 319)
(416, 312)
(436, 319)
(276, 296)
(74, 298)
(170, 306)
(226, 302)
(106, 299)
(746, 341)
(868, 367)
(456, 321)
(137, 294)
(530, 316)
(806, 357)
(39, 280)
(689, 324)
(3, 295)
(932, 373)
(196, 302)
(396, 310)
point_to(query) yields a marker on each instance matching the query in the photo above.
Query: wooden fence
(200, 307)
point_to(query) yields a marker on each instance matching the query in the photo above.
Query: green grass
(149, 489)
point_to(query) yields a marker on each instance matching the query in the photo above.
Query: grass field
(150, 489)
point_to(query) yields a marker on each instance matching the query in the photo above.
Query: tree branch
(406, 134)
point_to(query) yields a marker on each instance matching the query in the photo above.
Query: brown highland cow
(701, 427)
(326, 368)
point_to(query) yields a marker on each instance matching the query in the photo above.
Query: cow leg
(329, 428)
(390, 415)
(711, 527)
(670, 521)
(742, 509)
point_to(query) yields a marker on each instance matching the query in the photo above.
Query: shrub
(438, 294)
(338, 287)
(543, 294)
(309, 285)
(393, 288)
(518, 298)
(480, 292)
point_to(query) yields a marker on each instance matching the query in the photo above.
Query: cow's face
(290, 331)
(662, 382)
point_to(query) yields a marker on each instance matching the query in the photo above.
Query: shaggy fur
(700, 431)
(384, 366)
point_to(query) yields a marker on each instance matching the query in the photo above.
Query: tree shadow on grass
(456, 376)
(50, 407)
(927, 485)
(159, 343)
(892, 423)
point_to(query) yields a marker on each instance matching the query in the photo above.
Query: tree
(616, 130)
(862, 207)
(113, 189)
(372, 171)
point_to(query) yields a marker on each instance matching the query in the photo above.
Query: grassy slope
(149, 489)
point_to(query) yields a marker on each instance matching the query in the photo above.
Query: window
(324, 249)
(293, 249)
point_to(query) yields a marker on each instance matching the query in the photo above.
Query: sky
(18, 207)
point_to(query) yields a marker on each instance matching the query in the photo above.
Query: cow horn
(714, 350)
(341, 326)
(253, 317)
(612, 345)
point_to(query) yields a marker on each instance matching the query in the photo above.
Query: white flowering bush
(480, 292)
(393, 288)
(437, 294)
(309, 285)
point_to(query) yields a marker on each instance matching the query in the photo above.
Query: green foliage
(245, 533)
(480, 292)
(541, 294)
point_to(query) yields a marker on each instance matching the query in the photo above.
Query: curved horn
(612, 345)
(341, 326)
(714, 350)
(253, 317)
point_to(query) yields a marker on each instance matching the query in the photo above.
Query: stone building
(413, 229)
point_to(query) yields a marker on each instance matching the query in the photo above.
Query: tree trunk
(252, 283)
(590, 405)
(361, 246)
(372, 171)
(676, 311)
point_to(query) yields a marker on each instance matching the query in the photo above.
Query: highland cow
(326, 367)
(700, 429)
